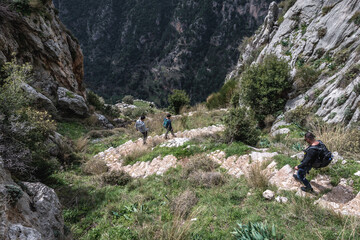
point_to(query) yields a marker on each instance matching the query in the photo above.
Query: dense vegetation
(148, 48)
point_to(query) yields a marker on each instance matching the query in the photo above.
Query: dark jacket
(167, 123)
(311, 154)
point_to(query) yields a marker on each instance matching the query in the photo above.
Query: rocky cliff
(148, 48)
(32, 33)
(320, 40)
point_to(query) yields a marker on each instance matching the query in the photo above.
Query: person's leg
(144, 137)
(301, 175)
(172, 132)
(166, 134)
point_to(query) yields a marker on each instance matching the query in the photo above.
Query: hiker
(316, 155)
(168, 126)
(140, 126)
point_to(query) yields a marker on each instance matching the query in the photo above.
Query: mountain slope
(149, 48)
(320, 40)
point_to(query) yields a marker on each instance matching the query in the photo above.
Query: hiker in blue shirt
(168, 126)
(140, 126)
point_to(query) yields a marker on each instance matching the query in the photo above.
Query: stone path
(114, 156)
(340, 199)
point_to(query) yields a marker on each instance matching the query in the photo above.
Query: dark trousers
(167, 132)
(301, 175)
(145, 134)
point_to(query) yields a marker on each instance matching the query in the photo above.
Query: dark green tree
(177, 100)
(265, 86)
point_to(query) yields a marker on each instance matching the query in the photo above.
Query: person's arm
(309, 155)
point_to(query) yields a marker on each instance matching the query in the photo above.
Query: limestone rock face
(43, 41)
(324, 36)
(71, 102)
(31, 211)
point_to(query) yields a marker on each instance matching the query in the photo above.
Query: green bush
(299, 115)
(120, 178)
(223, 97)
(349, 76)
(322, 32)
(241, 125)
(255, 231)
(356, 18)
(305, 78)
(265, 86)
(128, 99)
(95, 100)
(14, 194)
(177, 100)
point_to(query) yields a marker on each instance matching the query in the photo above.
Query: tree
(177, 100)
(265, 86)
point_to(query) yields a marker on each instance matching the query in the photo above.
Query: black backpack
(324, 156)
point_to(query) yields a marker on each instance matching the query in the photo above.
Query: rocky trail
(340, 199)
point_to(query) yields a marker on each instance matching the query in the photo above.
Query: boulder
(104, 122)
(72, 103)
(28, 211)
(269, 195)
(38, 99)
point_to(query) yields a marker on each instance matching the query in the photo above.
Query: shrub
(223, 97)
(120, 178)
(256, 178)
(241, 125)
(200, 163)
(264, 87)
(322, 32)
(255, 231)
(327, 9)
(177, 100)
(14, 194)
(12, 97)
(95, 167)
(349, 76)
(206, 179)
(356, 18)
(95, 100)
(299, 115)
(183, 204)
(128, 99)
(286, 5)
(357, 89)
(305, 78)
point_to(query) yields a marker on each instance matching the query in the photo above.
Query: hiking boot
(306, 189)
(296, 177)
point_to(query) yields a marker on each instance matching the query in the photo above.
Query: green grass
(141, 104)
(103, 144)
(142, 209)
(282, 160)
(72, 130)
(189, 149)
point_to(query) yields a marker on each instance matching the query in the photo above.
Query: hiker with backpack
(316, 156)
(140, 126)
(168, 126)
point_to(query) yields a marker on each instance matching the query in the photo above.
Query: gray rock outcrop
(323, 35)
(70, 102)
(39, 38)
(29, 211)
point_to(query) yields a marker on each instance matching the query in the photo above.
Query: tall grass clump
(265, 86)
(338, 138)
